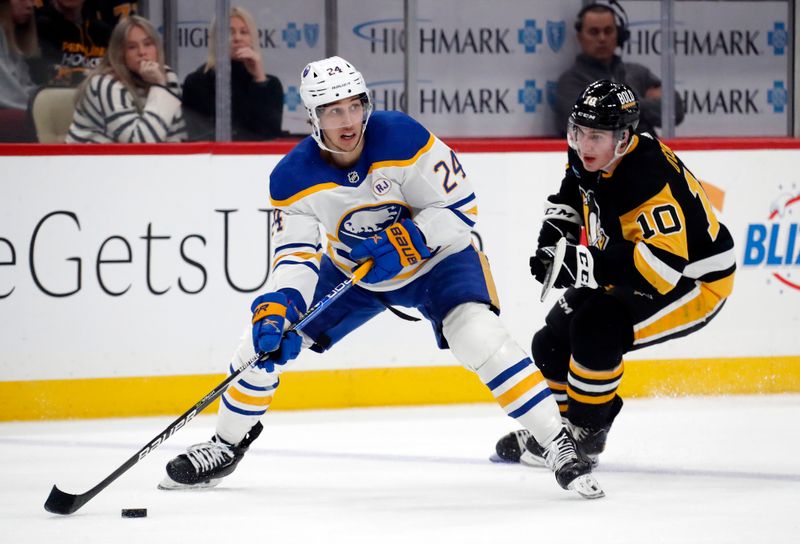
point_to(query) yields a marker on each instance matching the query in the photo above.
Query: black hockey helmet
(606, 105)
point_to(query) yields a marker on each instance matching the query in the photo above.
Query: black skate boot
(519, 447)
(591, 440)
(572, 471)
(204, 465)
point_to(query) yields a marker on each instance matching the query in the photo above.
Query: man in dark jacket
(601, 29)
(71, 43)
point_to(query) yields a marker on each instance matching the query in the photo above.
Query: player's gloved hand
(560, 221)
(271, 313)
(400, 245)
(576, 270)
(540, 263)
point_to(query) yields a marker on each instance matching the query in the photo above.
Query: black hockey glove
(576, 270)
(560, 221)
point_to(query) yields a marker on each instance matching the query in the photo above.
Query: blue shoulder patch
(298, 170)
(394, 136)
(390, 136)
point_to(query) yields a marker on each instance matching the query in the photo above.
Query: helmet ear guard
(329, 80)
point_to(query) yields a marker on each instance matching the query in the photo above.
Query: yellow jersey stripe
(406, 162)
(489, 279)
(690, 310)
(304, 193)
(306, 256)
(656, 272)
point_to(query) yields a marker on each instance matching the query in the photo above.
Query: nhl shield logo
(352, 177)
(556, 30)
(311, 34)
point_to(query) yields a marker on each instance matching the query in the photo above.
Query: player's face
(342, 123)
(595, 147)
(598, 35)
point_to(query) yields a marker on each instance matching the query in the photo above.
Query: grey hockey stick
(60, 502)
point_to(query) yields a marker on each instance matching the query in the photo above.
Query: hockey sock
(521, 390)
(244, 402)
(591, 393)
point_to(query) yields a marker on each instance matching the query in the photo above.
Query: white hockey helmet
(329, 80)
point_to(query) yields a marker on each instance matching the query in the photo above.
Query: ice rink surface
(685, 470)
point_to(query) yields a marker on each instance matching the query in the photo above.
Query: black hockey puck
(134, 512)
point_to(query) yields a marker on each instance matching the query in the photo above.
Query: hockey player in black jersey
(658, 264)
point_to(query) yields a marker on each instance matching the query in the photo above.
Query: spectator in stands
(132, 96)
(72, 43)
(256, 97)
(601, 28)
(110, 11)
(17, 44)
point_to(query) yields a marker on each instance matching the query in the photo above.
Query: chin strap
(618, 154)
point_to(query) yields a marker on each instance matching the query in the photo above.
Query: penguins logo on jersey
(359, 224)
(595, 235)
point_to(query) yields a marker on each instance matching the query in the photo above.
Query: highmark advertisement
(484, 71)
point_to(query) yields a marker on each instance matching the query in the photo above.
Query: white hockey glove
(576, 268)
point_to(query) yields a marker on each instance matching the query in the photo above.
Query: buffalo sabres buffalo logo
(359, 224)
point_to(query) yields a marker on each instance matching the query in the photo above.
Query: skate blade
(587, 487)
(168, 484)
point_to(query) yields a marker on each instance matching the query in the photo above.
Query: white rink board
(94, 334)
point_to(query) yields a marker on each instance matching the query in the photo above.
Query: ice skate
(591, 442)
(572, 471)
(206, 464)
(519, 447)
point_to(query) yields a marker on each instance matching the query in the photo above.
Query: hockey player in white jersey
(396, 194)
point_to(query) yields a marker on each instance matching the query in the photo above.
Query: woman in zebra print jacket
(131, 96)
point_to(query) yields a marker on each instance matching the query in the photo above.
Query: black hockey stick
(60, 502)
(552, 272)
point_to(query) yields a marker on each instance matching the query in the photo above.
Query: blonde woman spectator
(132, 96)
(256, 97)
(18, 43)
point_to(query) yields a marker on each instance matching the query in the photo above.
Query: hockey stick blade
(60, 502)
(552, 272)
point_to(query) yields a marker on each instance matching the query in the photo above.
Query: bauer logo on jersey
(359, 224)
(381, 186)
